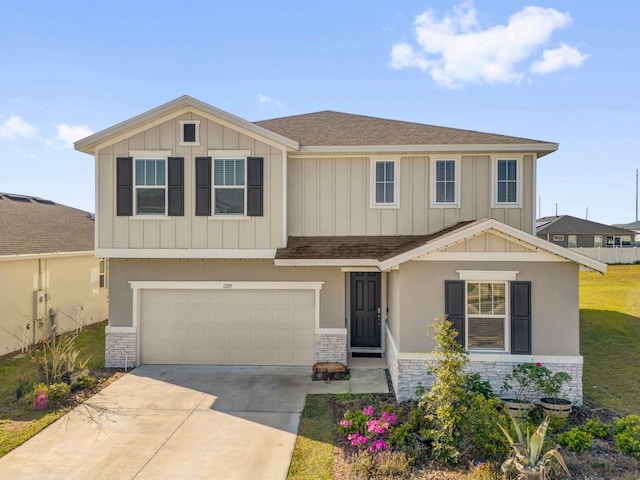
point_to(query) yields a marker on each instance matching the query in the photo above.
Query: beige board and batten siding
(554, 298)
(331, 196)
(332, 294)
(190, 231)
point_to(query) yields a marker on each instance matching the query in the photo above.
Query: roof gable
(174, 108)
(35, 226)
(389, 252)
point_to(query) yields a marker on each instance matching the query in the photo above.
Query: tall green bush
(444, 403)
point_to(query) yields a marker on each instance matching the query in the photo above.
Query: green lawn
(610, 338)
(18, 420)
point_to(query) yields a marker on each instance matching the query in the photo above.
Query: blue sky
(561, 71)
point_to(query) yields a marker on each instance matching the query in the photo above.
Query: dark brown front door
(365, 309)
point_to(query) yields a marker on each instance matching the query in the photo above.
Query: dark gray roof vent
(43, 201)
(18, 198)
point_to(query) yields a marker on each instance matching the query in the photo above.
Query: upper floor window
(229, 186)
(384, 186)
(507, 182)
(150, 183)
(103, 273)
(190, 132)
(445, 183)
(150, 186)
(572, 241)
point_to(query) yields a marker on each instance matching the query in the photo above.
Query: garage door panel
(228, 327)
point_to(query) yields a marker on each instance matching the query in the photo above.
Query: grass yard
(610, 338)
(18, 420)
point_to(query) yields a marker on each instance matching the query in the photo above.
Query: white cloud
(267, 100)
(69, 134)
(454, 50)
(557, 59)
(14, 127)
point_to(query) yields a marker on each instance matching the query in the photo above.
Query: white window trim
(488, 275)
(456, 202)
(396, 181)
(506, 316)
(151, 155)
(228, 155)
(558, 238)
(195, 143)
(494, 181)
(572, 239)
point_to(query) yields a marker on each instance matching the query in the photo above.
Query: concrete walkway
(182, 422)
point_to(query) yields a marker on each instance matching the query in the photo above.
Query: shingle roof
(566, 224)
(345, 129)
(371, 247)
(32, 225)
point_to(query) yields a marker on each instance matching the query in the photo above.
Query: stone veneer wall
(408, 374)
(120, 349)
(331, 347)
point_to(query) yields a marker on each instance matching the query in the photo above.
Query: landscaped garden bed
(36, 388)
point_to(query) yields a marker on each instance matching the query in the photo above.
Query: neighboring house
(572, 232)
(48, 272)
(312, 237)
(634, 227)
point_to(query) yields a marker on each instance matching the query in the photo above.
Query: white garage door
(227, 327)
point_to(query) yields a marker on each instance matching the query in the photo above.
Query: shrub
(40, 397)
(59, 392)
(85, 382)
(576, 439)
(444, 401)
(596, 428)
(473, 383)
(363, 429)
(392, 464)
(626, 435)
(479, 438)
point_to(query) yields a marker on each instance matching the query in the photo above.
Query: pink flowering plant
(365, 430)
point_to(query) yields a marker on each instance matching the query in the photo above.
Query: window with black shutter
(478, 311)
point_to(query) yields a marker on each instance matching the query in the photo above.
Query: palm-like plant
(527, 458)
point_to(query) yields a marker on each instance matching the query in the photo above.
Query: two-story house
(312, 237)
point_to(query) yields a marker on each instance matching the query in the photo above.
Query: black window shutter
(255, 181)
(521, 317)
(203, 186)
(176, 186)
(454, 306)
(124, 186)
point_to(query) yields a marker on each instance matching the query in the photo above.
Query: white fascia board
(447, 148)
(481, 226)
(172, 109)
(538, 256)
(325, 263)
(225, 285)
(185, 253)
(35, 256)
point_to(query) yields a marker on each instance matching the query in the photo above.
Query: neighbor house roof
(566, 224)
(35, 226)
(386, 252)
(317, 131)
(628, 226)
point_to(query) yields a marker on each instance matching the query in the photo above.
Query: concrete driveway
(178, 422)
